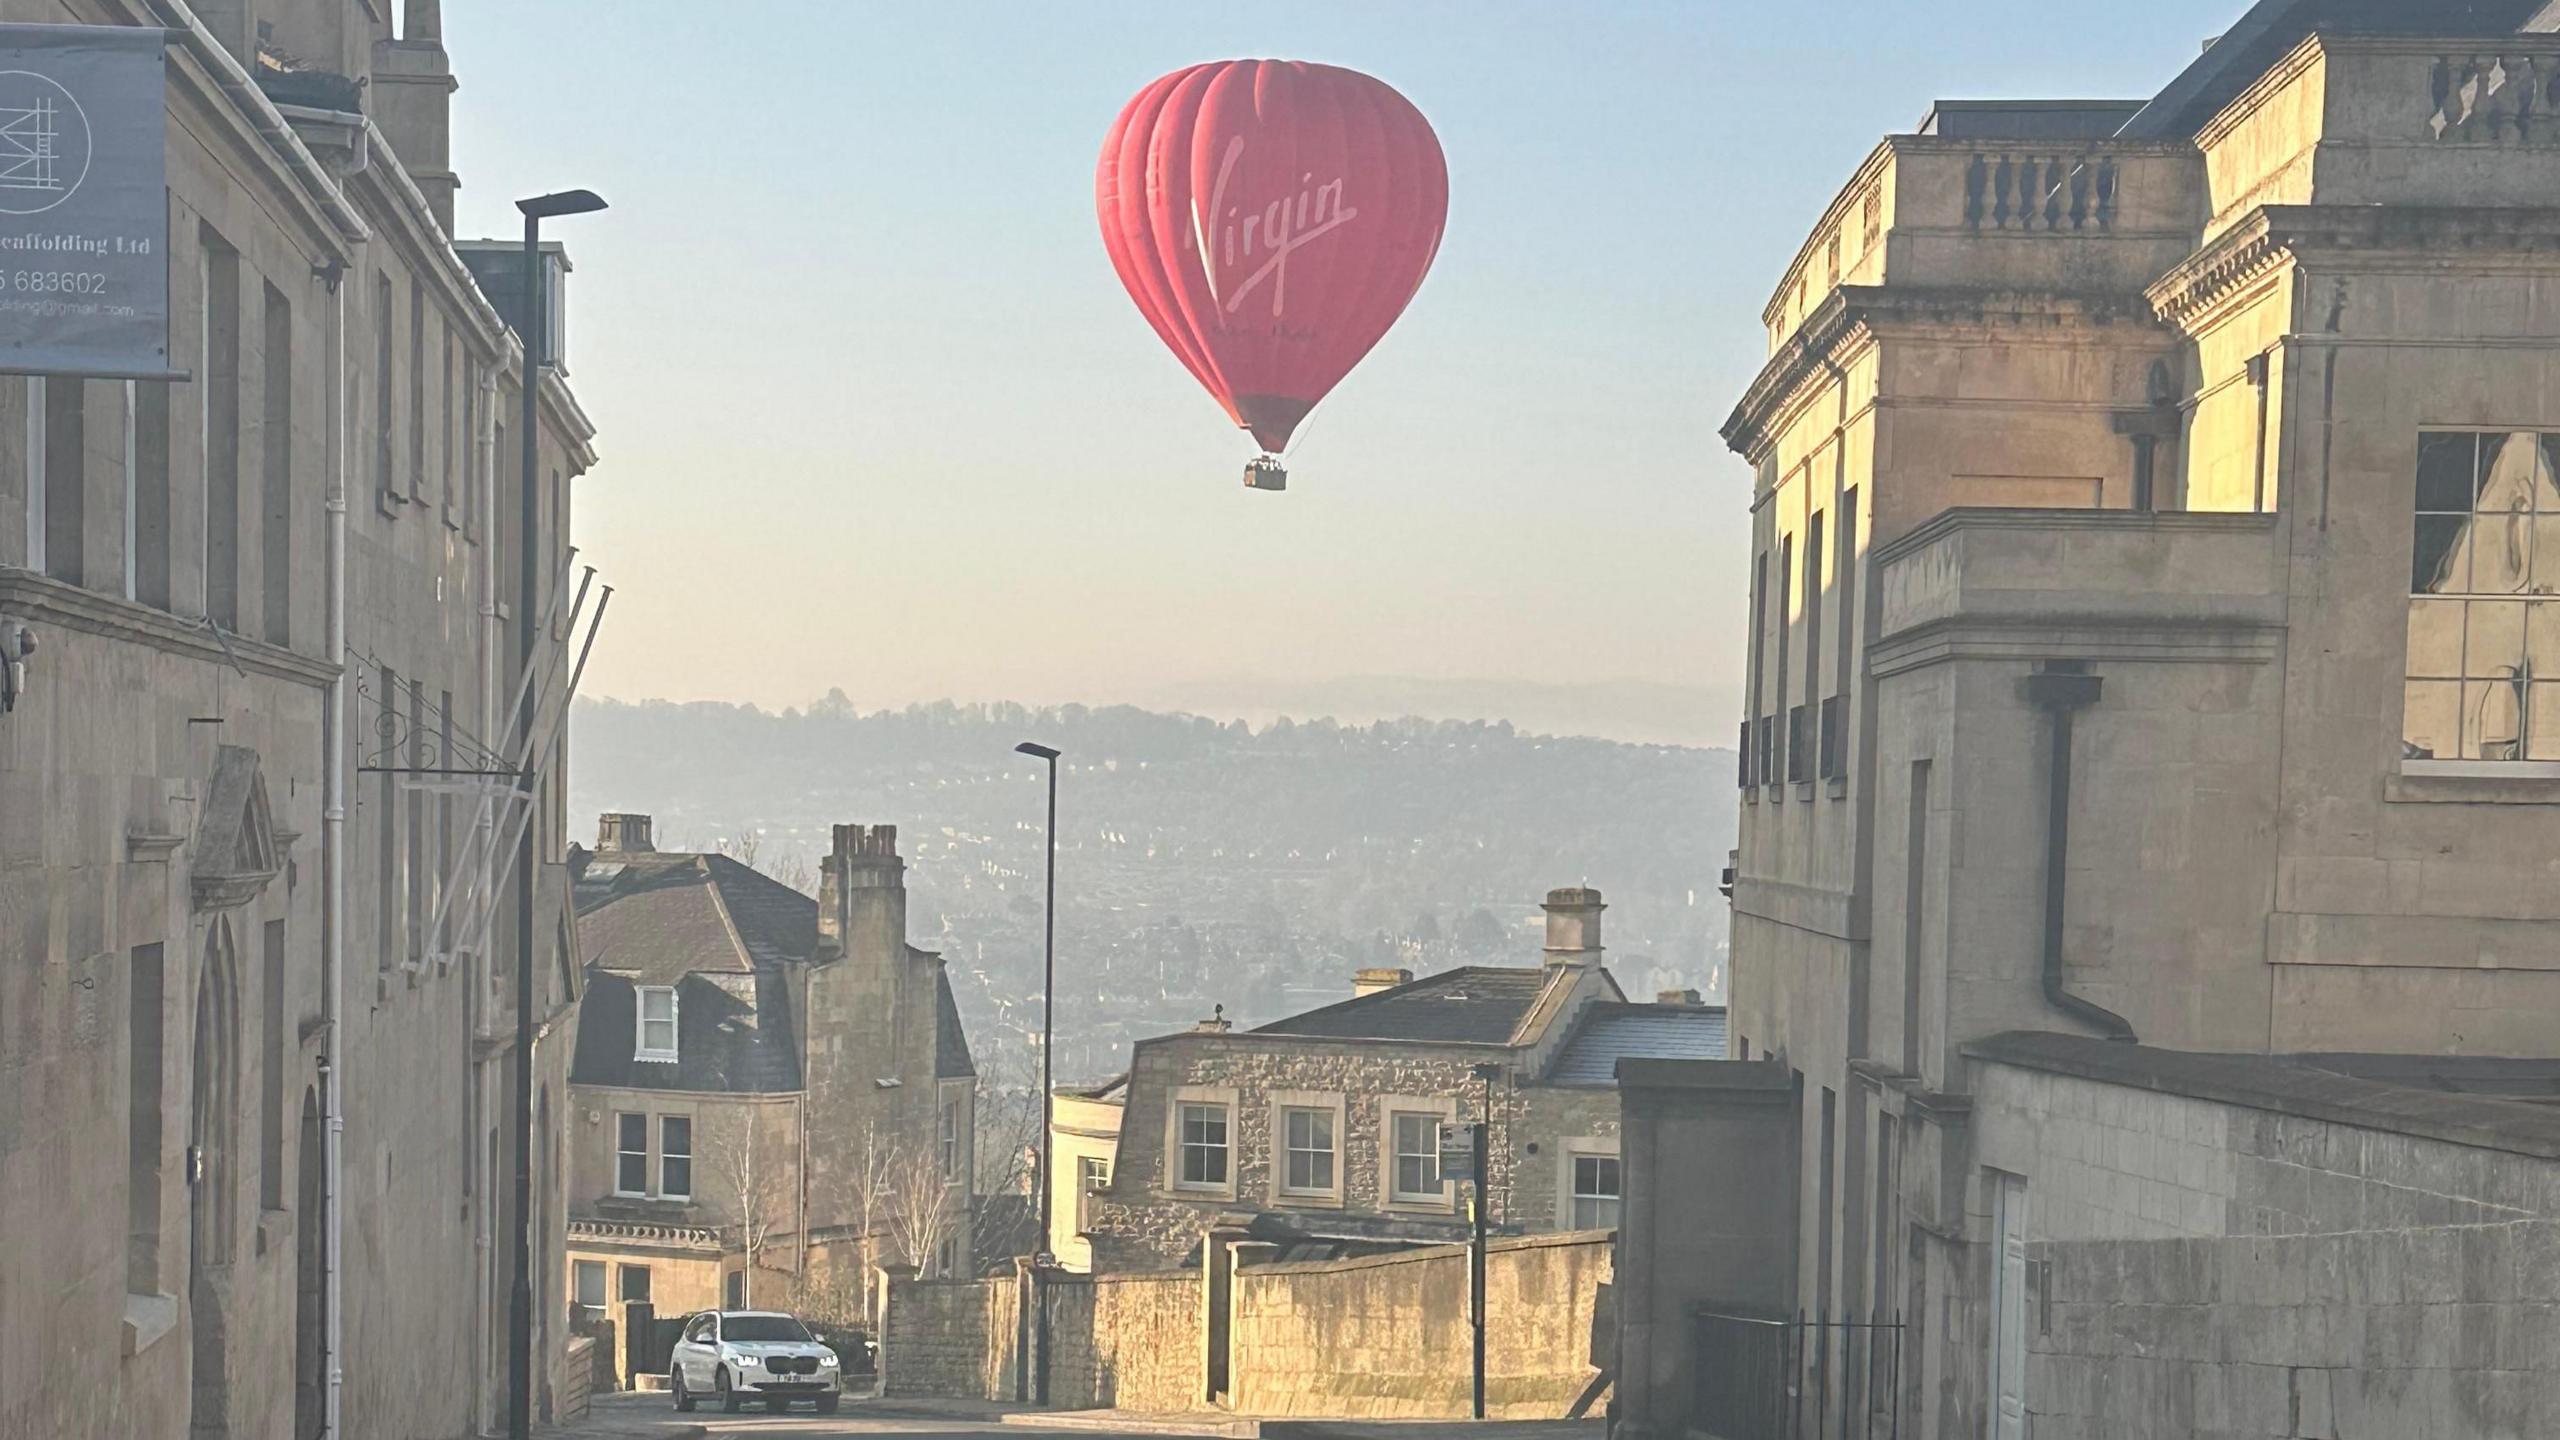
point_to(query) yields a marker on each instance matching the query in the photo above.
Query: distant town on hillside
(1201, 864)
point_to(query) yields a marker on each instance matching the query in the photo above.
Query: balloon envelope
(1271, 219)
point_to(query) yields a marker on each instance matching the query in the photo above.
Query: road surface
(650, 1415)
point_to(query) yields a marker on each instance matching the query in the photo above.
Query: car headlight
(827, 1359)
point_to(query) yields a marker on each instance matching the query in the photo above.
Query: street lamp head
(1033, 747)
(564, 202)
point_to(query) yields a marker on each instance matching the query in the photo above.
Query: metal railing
(1797, 1379)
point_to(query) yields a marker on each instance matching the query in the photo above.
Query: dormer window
(657, 1024)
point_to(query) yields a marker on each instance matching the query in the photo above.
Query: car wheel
(826, 1404)
(730, 1399)
(675, 1382)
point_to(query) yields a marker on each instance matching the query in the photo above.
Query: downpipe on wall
(2062, 688)
(482, 979)
(333, 845)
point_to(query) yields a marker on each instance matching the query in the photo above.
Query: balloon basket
(1263, 472)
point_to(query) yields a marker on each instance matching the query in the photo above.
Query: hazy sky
(876, 414)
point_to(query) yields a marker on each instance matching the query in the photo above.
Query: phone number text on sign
(55, 282)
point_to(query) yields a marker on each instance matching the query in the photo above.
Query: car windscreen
(762, 1327)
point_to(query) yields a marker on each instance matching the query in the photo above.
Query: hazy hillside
(1200, 863)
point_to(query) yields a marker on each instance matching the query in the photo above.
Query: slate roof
(2313, 1087)
(718, 932)
(1471, 1005)
(2271, 27)
(951, 1051)
(1608, 1033)
(655, 915)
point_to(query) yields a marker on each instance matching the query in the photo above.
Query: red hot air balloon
(1271, 218)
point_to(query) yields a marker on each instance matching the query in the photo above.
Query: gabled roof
(722, 936)
(657, 916)
(1611, 1032)
(1471, 1005)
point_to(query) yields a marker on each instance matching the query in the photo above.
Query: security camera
(17, 647)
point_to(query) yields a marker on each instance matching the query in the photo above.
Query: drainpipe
(2059, 688)
(478, 981)
(333, 849)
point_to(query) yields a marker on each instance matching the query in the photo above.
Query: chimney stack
(1375, 979)
(622, 833)
(411, 101)
(862, 891)
(1683, 999)
(1573, 926)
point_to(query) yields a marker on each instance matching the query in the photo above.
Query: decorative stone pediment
(237, 851)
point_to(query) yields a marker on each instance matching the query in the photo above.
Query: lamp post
(1042, 1259)
(1476, 1239)
(528, 869)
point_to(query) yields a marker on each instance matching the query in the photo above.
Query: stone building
(224, 884)
(2148, 645)
(1327, 1125)
(1084, 1138)
(761, 1080)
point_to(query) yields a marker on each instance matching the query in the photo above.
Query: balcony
(2130, 584)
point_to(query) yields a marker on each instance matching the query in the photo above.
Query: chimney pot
(622, 832)
(1573, 925)
(1375, 979)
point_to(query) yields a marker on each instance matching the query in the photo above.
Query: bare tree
(1005, 1166)
(921, 1209)
(742, 847)
(792, 868)
(754, 1170)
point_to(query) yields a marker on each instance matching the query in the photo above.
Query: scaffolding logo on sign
(44, 143)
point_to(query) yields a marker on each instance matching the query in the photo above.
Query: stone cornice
(1855, 314)
(2236, 259)
(1870, 172)
(2269, 83)
(1811, 352)
(2522, 237)
(43, 599)
(2038, 636)
(685, 1237)
(1928, 532)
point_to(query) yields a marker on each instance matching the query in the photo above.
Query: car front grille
(793, 1364)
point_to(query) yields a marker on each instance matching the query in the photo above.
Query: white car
(734, 1356)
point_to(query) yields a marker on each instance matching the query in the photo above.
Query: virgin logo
(1260, 242)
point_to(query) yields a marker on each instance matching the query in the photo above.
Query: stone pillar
(1240, 1356)
(1708, 1177)
(891, 1278)
(1217, 1273)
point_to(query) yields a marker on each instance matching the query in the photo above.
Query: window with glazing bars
(2482, 682)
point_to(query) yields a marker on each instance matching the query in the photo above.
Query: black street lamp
(1488, 1073)
(1043, 1259)
(528, 870)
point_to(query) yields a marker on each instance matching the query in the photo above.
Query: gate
(1797, 1379)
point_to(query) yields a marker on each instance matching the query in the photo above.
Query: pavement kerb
(1119, 1423)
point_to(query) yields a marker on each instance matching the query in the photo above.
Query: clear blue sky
(876, 414)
